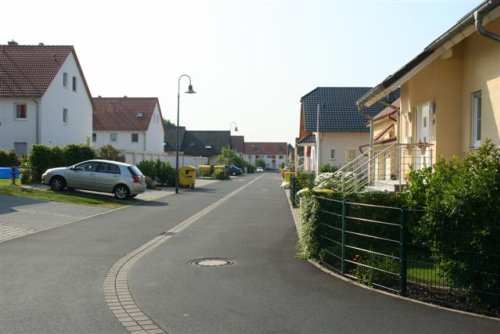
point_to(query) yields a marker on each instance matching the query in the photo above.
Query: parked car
(233, 170)
(259, 170)
(121, 179)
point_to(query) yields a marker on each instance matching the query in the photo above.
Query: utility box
(187, 176)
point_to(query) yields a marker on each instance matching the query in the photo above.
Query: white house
(44, 98)
(274, 154)
(332, 130)
(132, 125)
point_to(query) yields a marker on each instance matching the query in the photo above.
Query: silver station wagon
(121, 179)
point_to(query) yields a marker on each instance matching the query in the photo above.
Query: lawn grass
(73, 197)
(425, 272)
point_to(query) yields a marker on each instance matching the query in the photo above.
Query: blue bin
(6, 173)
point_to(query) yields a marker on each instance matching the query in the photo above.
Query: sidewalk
(23, 216)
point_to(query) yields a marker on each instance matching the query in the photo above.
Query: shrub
(462, 217)
(304, 180)
(308, 243)
(220, 174)
(148, 168)
(165, 173)
(109, 152)
(327, 168)
(74, 153)
(378, 269)
(8, 158)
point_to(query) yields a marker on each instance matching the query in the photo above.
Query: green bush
(148, 168)
(220, 174)
(308, 243)
(165, 173)
(74, 153)
(377, 269)
(8, 158)
(109, 152)
(462, 218)
(327, 168)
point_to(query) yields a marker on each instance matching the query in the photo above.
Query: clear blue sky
(250, 61)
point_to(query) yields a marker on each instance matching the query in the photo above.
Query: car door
(82, 175)
(107, 176)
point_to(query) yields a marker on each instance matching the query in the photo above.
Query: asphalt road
(52, 281)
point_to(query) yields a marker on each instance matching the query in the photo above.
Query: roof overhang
(463, 29)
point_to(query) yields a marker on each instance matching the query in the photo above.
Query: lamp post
(235, 130)
(189, 91)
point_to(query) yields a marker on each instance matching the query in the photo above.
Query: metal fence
(375, 245)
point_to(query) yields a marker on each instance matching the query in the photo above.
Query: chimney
(13, 42)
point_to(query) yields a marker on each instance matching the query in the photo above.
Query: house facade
(274, 154)
(132, 125)
(44, 98)
(331, 128)
(450, 92)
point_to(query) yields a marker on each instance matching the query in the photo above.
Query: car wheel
(121, 192)
(57, 183)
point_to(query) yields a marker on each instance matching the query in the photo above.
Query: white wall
(187, 160)
(155, 135)
(78, 129)
(268, 159)
(340, 142)
(123, 140)
(12, 130)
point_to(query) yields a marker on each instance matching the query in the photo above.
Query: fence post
(13, 170)
(344, 213)
(402, 251)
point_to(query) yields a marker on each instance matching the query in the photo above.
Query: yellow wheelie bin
(187, 176)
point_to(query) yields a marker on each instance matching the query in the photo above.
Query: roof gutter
(461, 30)
(478, 18)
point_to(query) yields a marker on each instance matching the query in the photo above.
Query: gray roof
(205, 143)
(338, 111)
(171, 137)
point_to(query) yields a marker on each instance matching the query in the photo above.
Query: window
(65, 116)
(21, 111)
(135, 137)
(94, 137)
(21, 148)
(281, 157)
(476, 119)
(74, 84)
(113, 137)
(65, 80)
(332, 154)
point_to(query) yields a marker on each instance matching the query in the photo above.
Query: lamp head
(190, 90)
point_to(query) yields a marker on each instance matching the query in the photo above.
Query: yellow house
(450, 92)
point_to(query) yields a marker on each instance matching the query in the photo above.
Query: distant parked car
(121, 179)
(233, 170)
(259, 170)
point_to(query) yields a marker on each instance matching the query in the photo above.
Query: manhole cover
(213, 262)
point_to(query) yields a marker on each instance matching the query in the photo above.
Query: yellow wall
(448, 82)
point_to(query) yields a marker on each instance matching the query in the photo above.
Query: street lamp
(235, 127)
(189, 91)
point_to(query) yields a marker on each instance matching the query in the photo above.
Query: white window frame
(132, 137)
(25, 112)
(94, 137)
(332, 154)
(476, 115)
(74, 84)
(113, 137)
(65, 115)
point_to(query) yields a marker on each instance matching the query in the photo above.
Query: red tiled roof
(266, 148)
(28, 70)
(123, 113)
(388, 111)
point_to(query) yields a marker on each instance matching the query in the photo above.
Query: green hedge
(8, 158)
(43, 157)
